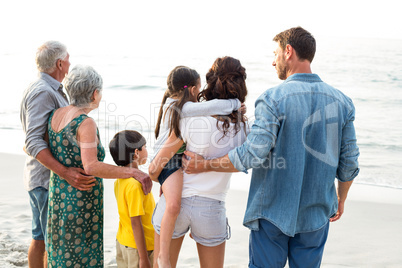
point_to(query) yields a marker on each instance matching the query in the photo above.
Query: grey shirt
(39, 100)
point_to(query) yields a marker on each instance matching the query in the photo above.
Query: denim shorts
(171, 167)
(39, 200)
(205, 217)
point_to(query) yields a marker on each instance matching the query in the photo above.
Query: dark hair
(123, 145)
(179, 80)
(301, 40)
(226, 80)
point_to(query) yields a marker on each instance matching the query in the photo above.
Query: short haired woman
(75, 218)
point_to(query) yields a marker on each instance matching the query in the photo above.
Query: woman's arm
(169, 149)
(88, 142)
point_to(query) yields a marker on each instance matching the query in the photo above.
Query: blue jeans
(39, 202)
(269, 247)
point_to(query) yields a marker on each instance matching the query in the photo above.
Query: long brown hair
(226, 80)
(179, 80)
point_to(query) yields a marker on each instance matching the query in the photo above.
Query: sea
(369, 71)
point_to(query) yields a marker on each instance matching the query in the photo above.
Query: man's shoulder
(338, 95)
(36, 88)
(273, 94)
(285, 89)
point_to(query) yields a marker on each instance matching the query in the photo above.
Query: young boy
(135, 237)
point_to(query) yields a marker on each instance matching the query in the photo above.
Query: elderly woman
(75, 218)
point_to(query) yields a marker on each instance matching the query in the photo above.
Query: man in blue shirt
(302, 138)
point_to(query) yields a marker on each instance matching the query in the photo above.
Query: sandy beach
(368, 234)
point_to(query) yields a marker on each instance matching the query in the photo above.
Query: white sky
(186, 26)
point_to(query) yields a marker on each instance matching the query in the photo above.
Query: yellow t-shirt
(132, 202)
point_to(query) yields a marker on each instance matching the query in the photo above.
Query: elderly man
(41, 97)
(302, 138)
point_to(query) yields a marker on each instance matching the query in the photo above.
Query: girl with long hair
(179, 101)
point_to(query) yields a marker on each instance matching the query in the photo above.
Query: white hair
(81, 83)
(48, 54)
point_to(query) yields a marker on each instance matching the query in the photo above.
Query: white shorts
(205, 216)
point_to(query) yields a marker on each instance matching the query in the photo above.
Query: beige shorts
(127, 257)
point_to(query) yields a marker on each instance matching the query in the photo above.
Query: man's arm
(250, 154)
(37, 114)
(348, 167)
(343, 189)
(195, 163)
(76, 177)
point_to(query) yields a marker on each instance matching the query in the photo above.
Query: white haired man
(41, 97)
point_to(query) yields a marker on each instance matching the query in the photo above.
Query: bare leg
(175, 247)
(211, 257)
(36, 254)
(172, 189)
(45, 260)
(156, 250)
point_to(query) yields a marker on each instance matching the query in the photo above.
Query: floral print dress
(75, 218)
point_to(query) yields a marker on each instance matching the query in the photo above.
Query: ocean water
(367, 70)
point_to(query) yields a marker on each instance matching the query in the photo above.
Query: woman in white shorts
(203, 198)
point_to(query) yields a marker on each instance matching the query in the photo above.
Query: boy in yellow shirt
(135, 236)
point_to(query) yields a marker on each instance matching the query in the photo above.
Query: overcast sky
(186, 25)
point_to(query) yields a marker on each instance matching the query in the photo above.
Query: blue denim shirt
(302, 138)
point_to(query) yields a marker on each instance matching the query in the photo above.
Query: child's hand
(145, 263)
(160, 191)
(243, 108)
(25, 150)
